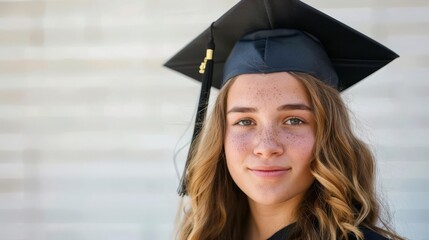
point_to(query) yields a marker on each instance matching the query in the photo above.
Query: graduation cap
(263, 36)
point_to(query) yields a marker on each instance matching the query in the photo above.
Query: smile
(274, 172)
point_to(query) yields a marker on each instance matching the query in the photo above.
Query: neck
(265, 220)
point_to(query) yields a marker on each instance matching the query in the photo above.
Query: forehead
(271, 88)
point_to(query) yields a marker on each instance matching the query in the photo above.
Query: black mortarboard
(279, 35)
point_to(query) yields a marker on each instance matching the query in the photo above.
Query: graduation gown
(283, 234)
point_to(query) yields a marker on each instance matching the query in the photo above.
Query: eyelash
(250, 122)
(240, 122)
(295, 118)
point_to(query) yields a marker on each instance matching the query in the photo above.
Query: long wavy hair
(340, 201)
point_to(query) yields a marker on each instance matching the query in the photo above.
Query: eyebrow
(242, 110)
(286, 107)
(297, 106)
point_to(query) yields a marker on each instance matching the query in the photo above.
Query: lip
(272, 171)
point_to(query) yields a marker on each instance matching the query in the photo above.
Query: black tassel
(206, 69)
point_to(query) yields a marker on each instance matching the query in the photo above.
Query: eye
(244, 122)
(294, 121)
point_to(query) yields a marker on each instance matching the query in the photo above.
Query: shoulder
(370, 235)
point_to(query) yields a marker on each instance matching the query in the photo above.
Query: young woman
(277, 157)
(282, 153)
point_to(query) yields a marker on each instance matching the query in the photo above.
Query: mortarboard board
(352, 55)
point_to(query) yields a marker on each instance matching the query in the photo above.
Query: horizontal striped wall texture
(89, 117)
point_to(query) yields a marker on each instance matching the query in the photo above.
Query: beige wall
(89, 118)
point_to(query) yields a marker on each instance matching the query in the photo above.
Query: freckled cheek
(237, 142)
(303, 142)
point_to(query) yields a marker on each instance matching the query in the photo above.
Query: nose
(268, 143)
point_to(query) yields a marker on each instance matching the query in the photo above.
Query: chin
(270, 198)
(274, 196)
(267, 201)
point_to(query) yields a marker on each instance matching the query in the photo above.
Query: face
(269, 137)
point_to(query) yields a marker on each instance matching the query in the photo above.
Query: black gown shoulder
(369, 234)
(283, 233)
